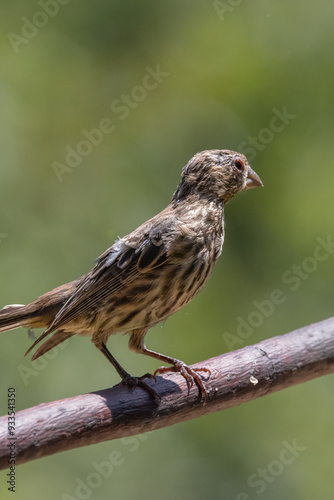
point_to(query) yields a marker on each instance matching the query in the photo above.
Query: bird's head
(217, 174)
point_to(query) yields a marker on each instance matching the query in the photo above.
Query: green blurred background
(228, 69)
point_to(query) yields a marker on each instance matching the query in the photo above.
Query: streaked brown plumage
(150, 273)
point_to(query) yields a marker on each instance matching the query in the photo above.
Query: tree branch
(236, 377)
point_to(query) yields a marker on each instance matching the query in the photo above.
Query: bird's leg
(127, 379)
(136, 343)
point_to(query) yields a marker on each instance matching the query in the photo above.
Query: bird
(147, 275)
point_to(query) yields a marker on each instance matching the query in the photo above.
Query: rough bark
(236, 377)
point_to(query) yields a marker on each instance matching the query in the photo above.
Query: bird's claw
(148, 375)
(139, 382)
(190, 375)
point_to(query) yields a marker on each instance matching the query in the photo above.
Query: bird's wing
(114, 269)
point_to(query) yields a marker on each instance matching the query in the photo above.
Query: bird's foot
(139, 382)
(190, 374)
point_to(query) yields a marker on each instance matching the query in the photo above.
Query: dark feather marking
(192, 284)
(166, 289)
(204, 274)
(162, 259)
(139, 290)
(201, 268)
(188, 272)
(118, 301)
(149, 256)
(164, 312)
(148, 318)
(179, 295)
(129, 317)
(126, 259)
(178, 255)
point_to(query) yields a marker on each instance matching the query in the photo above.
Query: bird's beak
(253, 180)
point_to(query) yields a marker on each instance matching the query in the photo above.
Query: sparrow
(147, 275)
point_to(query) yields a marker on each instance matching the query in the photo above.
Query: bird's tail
(38, 314)
(17, 315)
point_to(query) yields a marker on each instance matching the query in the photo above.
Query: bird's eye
(239, 165)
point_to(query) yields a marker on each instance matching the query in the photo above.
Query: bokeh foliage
(230, 65)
